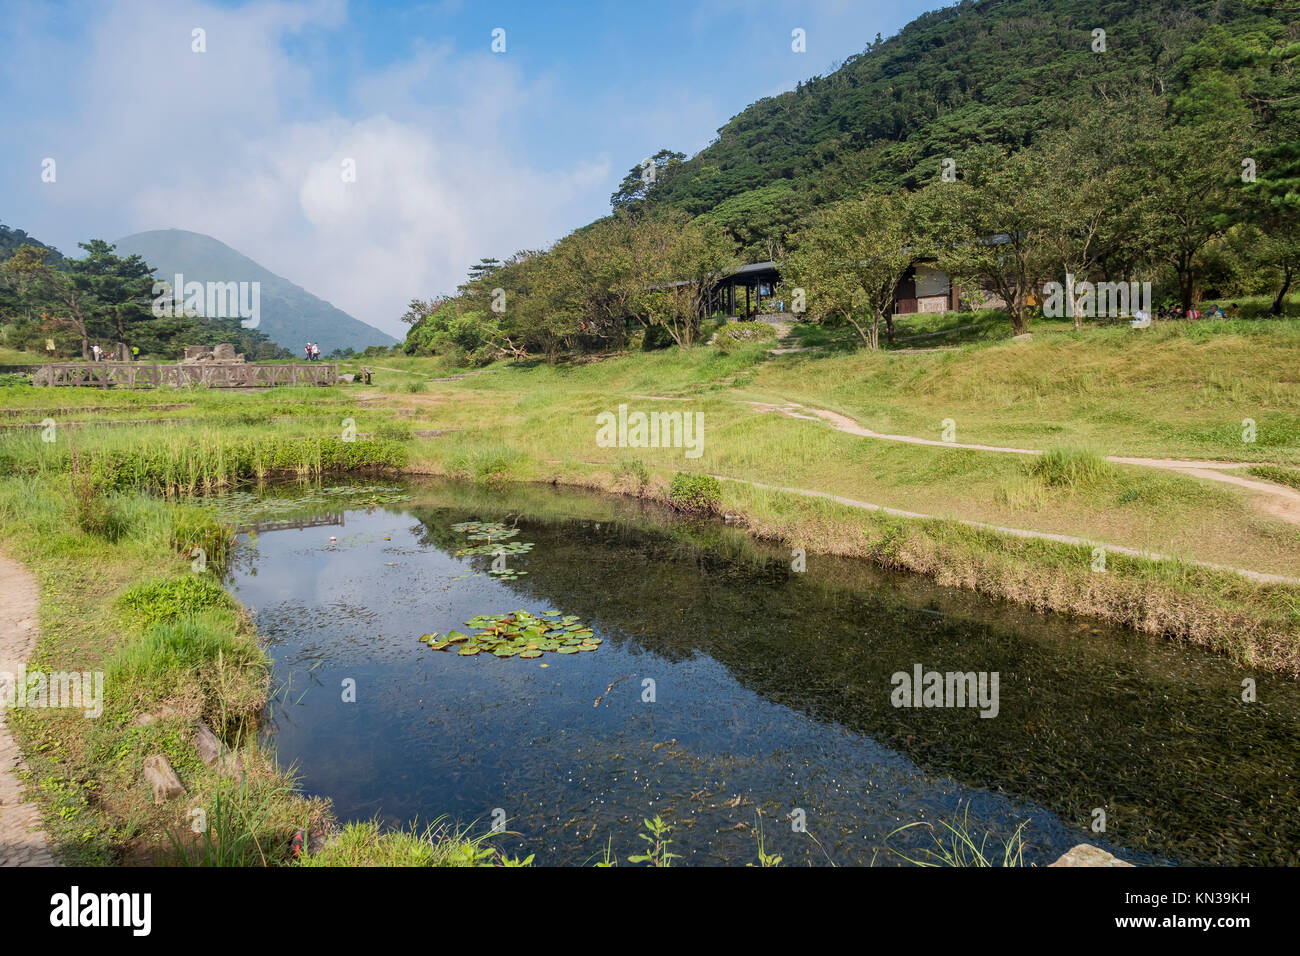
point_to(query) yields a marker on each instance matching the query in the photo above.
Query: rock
(347, 377)
(1087, 855)
(158, 771)
(208, 745)
(144, 720)
(213, 752)
(1023, 337)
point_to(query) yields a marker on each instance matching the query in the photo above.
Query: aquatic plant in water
(495, 536)
(519, 633)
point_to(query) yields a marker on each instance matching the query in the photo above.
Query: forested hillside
(1004, 72)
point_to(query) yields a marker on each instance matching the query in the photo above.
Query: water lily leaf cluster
(495, 537)
(519, 633)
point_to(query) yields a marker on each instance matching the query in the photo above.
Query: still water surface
(771, 695)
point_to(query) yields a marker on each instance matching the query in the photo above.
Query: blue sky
(459, 152)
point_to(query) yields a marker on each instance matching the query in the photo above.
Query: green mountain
(290, 315)
(982, 72)
(12, 239)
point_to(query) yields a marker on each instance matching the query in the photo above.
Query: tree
(678, 261)
(850, 260)
(644, 180)
(1188, 198)
(1085, 191)
(117, 290)
(419, 309)
(59, 295)
(988, 226)
(484, 267)
(1272, 205)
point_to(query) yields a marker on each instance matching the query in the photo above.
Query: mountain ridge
(290, 314)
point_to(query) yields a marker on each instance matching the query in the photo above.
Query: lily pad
(518, 633)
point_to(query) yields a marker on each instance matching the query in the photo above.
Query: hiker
(315, 352)
(94, 352)
(307, 349)
(1234, 311)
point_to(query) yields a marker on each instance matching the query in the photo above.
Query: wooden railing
(211, 375)
(320, 521)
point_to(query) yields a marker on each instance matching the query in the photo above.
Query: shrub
(695, 493)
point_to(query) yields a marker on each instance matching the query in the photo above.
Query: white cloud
(244, 143)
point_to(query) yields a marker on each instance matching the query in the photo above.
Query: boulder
(1087, 855)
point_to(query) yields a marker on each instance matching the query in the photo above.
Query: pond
(731, 692)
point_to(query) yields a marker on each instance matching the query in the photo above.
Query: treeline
(47, 299)
(627, 275)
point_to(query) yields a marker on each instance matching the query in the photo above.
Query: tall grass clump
(207, 656)
(368, 844)
(494, 467)
(955, 845)
(213, 461)
(1071, 468)
(95, 513)
(635, 470)
(248, 823)
(197, 529)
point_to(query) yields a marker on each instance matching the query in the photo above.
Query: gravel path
(22, 842)
(1275, 500)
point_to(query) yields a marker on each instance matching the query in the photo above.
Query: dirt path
(1276, 501)
(22, 842)
(1019, 532)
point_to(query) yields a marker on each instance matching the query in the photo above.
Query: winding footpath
(1275, 500)
(22, 841)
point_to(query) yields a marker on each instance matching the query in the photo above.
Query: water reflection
(771, 692)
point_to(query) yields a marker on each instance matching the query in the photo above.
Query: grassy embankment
(96, 516)
(1171, 391)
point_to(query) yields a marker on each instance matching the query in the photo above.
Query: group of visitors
(97, 352)
(1211, 311)
(313, 351)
